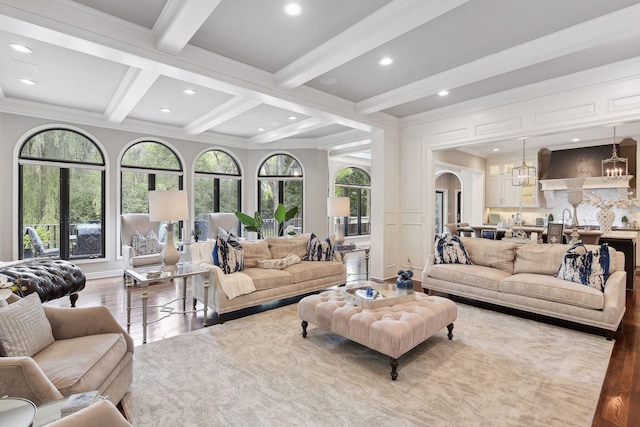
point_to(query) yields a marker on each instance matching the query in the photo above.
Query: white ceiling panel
(167, 93)
(140, 12)
(269, 39)
(264, 116)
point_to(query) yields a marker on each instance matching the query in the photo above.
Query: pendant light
(523, 175)
(615, 167)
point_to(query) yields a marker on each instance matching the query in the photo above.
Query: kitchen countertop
(624, 234)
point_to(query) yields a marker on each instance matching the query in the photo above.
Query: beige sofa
(521, 276)
(270, 284)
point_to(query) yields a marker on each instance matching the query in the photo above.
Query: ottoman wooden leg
(304, 328)
(394, 368)
(450, 329)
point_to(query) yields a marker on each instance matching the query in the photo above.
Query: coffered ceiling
(260, 76)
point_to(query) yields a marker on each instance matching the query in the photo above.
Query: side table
(143, 276)
(348, 250)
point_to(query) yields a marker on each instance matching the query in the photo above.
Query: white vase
(605, 219)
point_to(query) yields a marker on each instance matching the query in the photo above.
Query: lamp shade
(337, 206)
(168, 205)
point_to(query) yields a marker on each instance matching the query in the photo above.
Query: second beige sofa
(270, 284)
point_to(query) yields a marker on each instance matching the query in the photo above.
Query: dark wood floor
(619, 403)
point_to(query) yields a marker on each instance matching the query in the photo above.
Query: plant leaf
(279, 214)
(291, 213)
(246, 220)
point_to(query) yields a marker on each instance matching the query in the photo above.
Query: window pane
(167, 182)
(41, 203)
(292, 198)
(151, 155)
(229, 195)
(204, 188)
(63, 145)
(267, 205)
(85, 213)
(135, 192)
(216, 161)
(280, 165)
(353, 176)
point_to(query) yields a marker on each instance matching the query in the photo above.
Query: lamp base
(338, 237)
(169, 255)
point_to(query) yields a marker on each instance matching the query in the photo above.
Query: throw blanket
(236, 284)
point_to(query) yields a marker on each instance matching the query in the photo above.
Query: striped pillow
(24, 328)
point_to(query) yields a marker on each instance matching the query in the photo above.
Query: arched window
(280, 181)
(355, 183)
(147, 166)
(217, 186)
(61, 195)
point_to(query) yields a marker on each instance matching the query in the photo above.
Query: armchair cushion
(24, 327)
(88, 361)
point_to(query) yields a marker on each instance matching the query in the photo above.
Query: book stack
(79, 401)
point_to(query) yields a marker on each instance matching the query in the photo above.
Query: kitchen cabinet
(500, 191)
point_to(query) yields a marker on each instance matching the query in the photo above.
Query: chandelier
(523, 175)
(615, 167)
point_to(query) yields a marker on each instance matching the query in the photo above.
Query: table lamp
(169, 206)
(338, 207)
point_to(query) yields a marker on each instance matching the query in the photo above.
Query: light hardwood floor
(619, 403)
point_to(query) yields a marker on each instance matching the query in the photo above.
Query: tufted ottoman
(391, 330)
(49, 278)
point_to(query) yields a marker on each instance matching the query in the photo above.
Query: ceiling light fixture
(28, 82)
(523, 175)
(615, 167)
(188, 91)
(292, 9)
(260, 129)
(443, 92)
(387, 60)
(496, 149)
(20, 48)
(293, 118)
(575, 140)
(165, 110)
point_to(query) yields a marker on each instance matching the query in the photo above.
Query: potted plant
(196, 234)
(283, 216)
(625, 221)
(254, 223)
(27, 246)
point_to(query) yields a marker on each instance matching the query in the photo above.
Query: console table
(144, 276)
(343, 251)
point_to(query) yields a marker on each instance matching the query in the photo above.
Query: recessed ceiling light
(188, 91)
(293, 118)
(443, 92)
(165, 110)
(292, 9)
(575, 140)
(496, 149)
(387, 60)
(260, 129)
(28, 82)
(20, 48)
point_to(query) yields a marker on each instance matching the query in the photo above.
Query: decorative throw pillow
(24, 328)
(589, 268)
(450, 250)
(230, 254)
(145, 245)
(320, 250)
(279, 263)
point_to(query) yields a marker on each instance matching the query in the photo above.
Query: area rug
(498, 370)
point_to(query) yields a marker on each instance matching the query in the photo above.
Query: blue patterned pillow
(450, 250)
(222, 234)
(589, 268)
(230, 253)
(320, 250)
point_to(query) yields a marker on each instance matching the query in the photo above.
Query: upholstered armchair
(226, 221)
(129, 224)
(90, 351)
